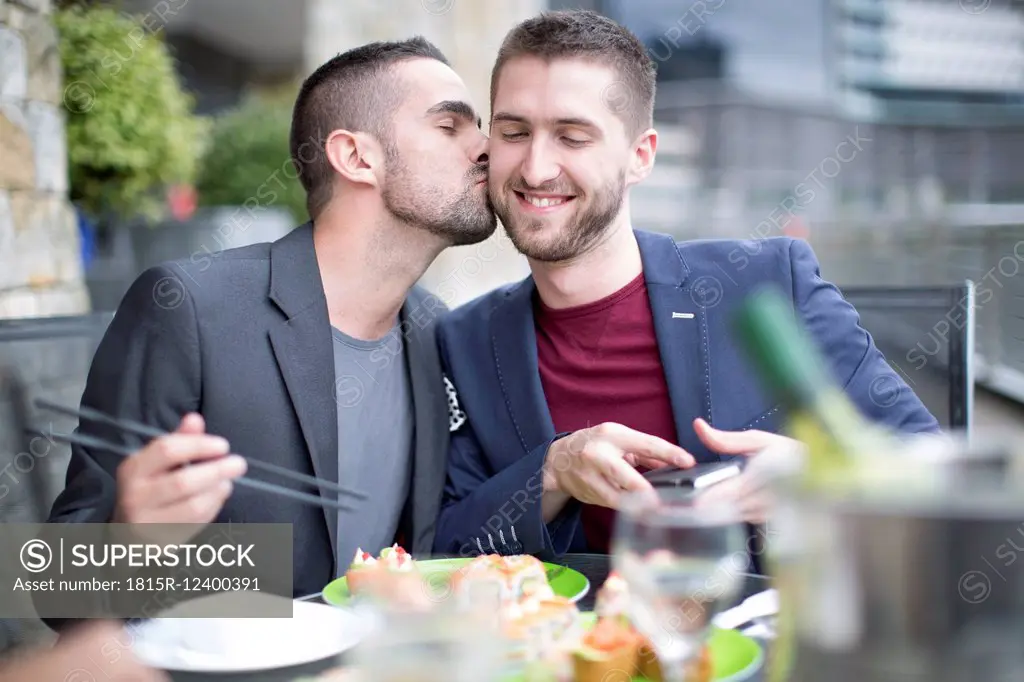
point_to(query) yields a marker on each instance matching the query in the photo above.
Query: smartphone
(696, 477)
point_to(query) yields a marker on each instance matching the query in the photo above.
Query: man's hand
(748, 491)
(183, 477)
(738, 442)
(598, 464)
(91, 653)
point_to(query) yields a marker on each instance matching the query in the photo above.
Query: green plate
(734, 656)
(564, 581)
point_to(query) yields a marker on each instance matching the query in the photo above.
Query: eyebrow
(457, 107)
(571, 121)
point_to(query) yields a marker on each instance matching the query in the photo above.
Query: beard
(466, 218)
(583, 228)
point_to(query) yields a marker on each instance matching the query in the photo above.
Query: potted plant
(131, 134)
(247, 190)
(131, 130)
(248, 159)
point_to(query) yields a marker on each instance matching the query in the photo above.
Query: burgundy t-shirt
(599, 362)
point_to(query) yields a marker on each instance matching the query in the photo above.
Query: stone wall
(40, 262)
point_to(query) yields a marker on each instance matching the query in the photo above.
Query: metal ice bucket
(894, 583)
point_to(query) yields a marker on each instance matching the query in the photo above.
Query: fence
(990, 256)
(911, 326)
(39, 358)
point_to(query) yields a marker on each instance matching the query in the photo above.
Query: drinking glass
(683, 561)
(450, 643)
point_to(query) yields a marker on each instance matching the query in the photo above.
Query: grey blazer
(243, 337)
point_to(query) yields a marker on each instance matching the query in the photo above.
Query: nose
(540, 165)
(479, 152)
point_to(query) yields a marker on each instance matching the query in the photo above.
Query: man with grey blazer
(316, 352)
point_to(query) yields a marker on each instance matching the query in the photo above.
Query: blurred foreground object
(818, 413)
(879, 585)
(890, 553)
(82, 655)
(668, 549)
(445, 644)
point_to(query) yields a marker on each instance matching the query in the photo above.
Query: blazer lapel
(430, 451)
(513, 337)
(302, 347)
(680, 325)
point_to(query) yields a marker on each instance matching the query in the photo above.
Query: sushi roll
(647, 662)
(538, 628)
(395, 558)
(612, 610)
(612, 599)
(366, 569)
(517, 577)
(359, 571)
(608, 652)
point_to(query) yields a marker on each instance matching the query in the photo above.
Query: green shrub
(131, 129)
(248, 161)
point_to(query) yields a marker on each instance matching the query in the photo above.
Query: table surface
(595, 567)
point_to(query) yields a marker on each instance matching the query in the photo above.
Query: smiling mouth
(542, 202)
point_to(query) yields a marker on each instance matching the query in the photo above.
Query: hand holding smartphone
(697, 477)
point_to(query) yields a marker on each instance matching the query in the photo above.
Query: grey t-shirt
(375, 439)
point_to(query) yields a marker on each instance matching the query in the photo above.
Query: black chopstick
(93, 442)
(145, 431)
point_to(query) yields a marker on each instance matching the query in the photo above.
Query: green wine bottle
(846, 455)
(819, 414)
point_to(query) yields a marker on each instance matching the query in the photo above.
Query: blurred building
(822, 118)
(929, 61)
(887, 132)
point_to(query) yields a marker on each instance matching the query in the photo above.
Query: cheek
(435, 162)
(596, 176)
(503, 160)
(498, 178)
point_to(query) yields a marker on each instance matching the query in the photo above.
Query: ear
(354, 156)
(642, 161)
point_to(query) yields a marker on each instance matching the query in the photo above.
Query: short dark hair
(353, 91)
(567, 34)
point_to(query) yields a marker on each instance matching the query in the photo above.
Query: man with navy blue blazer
(616, 353)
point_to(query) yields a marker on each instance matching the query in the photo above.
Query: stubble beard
(582, 231)
(466, 219)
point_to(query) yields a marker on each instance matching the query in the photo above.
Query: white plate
(755, 606)
(218, 645)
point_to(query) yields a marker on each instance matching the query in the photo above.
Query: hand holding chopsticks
(185, 476)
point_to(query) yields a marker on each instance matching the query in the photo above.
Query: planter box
(207, 232)
(132, 249)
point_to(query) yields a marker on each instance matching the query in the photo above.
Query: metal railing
(911, 327)
(40, 357)
(991, 257)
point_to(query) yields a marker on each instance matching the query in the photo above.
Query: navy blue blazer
(501, 427)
